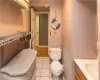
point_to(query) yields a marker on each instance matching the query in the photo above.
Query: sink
(92, 70)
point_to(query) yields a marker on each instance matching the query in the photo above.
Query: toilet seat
(57, 71)
(56, 66)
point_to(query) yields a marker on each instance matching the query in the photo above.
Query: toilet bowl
(56, 69)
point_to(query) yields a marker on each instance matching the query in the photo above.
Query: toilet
(56, 66)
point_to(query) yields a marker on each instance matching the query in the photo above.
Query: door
(43, 29)
(33, 28)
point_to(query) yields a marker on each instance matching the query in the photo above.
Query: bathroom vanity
(86, 69)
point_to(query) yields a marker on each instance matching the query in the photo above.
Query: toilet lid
(56, 65)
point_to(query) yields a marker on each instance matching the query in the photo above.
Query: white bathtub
(22, 67)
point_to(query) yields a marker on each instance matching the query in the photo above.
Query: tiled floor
(43, 69)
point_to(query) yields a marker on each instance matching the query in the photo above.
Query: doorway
(42, 34)
(39, 29)
(42, 29)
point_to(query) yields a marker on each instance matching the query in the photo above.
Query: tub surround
(7, 39)
(11, 45)
(88, 67)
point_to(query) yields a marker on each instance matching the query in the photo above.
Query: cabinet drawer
(79, 73)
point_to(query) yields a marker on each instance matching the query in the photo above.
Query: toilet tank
(55, 53)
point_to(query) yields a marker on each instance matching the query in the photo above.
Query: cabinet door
(77, 77)
(79, 73)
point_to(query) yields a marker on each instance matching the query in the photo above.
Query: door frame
(37, 28)
(33, 37)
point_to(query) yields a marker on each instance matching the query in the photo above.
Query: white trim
(43, 46)
(42, 12)
(37, 30)
(63, 78)
(33, 76)
(33, 28)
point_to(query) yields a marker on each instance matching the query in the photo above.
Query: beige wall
(67, 43)
(12, 18)
(79, 33)
(26, 20)
(83, 29)
(54, 39)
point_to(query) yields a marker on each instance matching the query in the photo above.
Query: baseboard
(42, 46)
(63, 78)
(33, 77)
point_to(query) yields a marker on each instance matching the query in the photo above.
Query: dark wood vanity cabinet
(76, 77)
(78, 73)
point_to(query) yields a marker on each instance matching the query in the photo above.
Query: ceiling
(88, 0)
(41, 8)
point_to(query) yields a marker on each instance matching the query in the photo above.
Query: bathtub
(22, 67)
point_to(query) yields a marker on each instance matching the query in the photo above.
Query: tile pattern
(43, 69)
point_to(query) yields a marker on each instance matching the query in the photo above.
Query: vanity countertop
(89, 68)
